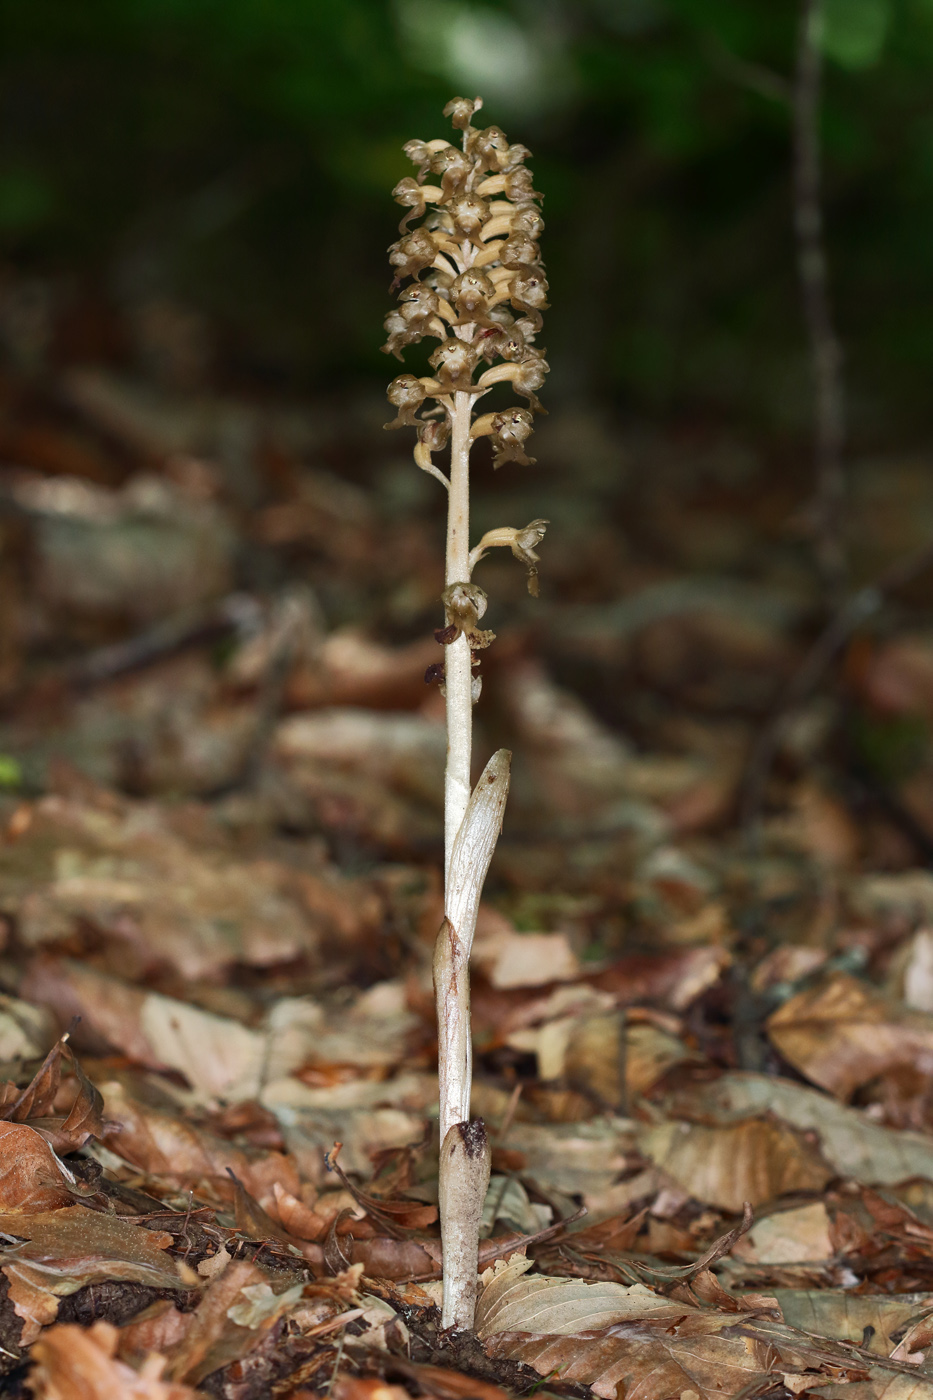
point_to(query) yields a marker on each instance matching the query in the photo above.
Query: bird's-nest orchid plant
(471, 278)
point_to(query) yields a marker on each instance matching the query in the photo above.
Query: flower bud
(461, 109)
(406, 393)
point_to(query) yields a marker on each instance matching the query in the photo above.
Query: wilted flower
(464, 605)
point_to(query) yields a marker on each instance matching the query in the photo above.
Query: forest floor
(703, 973)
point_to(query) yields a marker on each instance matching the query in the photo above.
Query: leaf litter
(219, 891)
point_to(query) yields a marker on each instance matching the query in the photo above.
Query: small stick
(825, 350)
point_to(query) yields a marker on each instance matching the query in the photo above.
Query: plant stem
(458, 661)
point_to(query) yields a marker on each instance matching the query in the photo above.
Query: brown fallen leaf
(852, 1143)
(666, 979)
(870, 1321)
(63, 1250)
(688, 1357)
(218, 1055)
(513, 1301)
(788, 1237)
(711, 1355)
(298, 1219)
(842, 1033)
(164, 895)
(37, 1098)
(756, 1159)
(78, 1363)
(31, 1178)
(84, 1119)
(156, 1328)
(189, 1157)
(213, 1339)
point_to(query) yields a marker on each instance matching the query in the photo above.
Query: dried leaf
(213, 1339)
(62, 1250)
(39, 1094)
(85, 1118)
(842, 1033)
(688, 1357)
(873, 1322)
(77, 1363)
(31, 1178)
(189, 1157)
(788, 1237)
(852, 1144)
(513, 1302)
(753, 1160)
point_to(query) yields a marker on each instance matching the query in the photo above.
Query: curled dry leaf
(31, 1178)
(78, 1363)
(753, 1160)
(842, 1033)
(84, 1119)
(189, 1157)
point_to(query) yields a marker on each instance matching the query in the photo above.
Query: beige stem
(464, 1177)
(458, 677)
(469, 861)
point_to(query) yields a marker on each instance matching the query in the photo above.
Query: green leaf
(854, 31)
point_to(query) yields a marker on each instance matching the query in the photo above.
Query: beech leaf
(510, 1302)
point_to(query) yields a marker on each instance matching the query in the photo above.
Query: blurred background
(194, 212)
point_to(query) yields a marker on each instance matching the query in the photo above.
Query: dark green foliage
(237, 155)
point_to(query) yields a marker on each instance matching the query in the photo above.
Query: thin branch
(825, 351)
